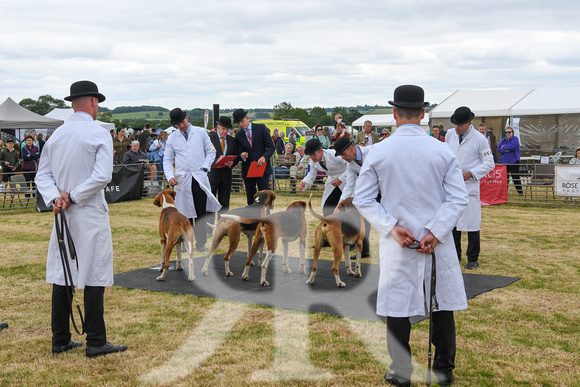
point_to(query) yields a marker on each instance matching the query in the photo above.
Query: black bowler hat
(312, 146)
(462, 116)
(341, 145)
(410, 97)
(177, 116)
(224, 121)
(239, 115)
(84, 89)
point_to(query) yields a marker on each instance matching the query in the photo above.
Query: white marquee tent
(21, 120)
(546, 120)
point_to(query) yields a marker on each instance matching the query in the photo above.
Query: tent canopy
(14, 116)
(548, 101)
(484, 103)
(65, 114)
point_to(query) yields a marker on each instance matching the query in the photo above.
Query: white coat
(190, 157)
(78, 158)
(352, 174)
(336, 170)
(422, 190)
(473, 155)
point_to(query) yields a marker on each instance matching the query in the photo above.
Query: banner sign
(126, 184)
(493, 187)
(568, 180)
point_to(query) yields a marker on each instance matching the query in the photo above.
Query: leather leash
(64, 241)
(433, 304)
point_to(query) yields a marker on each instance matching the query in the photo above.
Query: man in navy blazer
(253, 143)
(220, 179)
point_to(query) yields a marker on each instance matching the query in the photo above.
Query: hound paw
(301, 270)
(358, 274)
(265, 283)
(287, 270)
(204, 271)
(341, 284)
(160, 278)
(191, 278)
(229, 274)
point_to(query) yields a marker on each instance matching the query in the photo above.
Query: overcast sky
(307, 52)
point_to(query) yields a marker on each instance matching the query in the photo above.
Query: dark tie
(323, 165)
(359, 163)
(460, 138)
(185, 135)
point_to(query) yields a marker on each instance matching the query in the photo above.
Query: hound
(264, 200)
(341, 230)
(174, 229)
(288, 225)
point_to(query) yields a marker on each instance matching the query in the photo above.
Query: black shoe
(444, 378)
(471, 265)
(201, 249)
(63, 348)
(395, 380)
(3, 326)
(104, 349)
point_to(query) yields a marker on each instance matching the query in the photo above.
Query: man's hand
(428, 243)
(173, 181)
(402, 236)
(336, 182)
(301, 185)
(244, 155)
(261, 161)
(467, 175)
(229, 164)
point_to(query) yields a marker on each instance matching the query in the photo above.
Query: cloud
(260, 53)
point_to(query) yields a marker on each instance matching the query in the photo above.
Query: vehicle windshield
(300, 129)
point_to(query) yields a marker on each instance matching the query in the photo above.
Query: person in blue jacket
(509, 150)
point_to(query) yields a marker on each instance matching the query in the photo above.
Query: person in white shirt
(423, 196)
(75, 167)
(476, 160)
(194, 154)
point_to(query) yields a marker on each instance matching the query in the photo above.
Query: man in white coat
(324, 160)
(75, 166)
(194, 154)
(423, 196)
(476, 160)
(354, 155)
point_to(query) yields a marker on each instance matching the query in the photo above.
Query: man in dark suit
(253, 143)
(220, 178)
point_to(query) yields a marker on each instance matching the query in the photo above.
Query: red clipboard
(225, 159)
(256, 171)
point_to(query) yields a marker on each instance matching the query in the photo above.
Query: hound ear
(157, 200)
(173, 193)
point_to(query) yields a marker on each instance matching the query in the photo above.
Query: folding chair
(18, 187)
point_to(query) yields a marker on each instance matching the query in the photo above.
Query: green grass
(524, 334)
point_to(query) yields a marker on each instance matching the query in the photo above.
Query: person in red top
(339, 132)
(30, 156)
(436, 134)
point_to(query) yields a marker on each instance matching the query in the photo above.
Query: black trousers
(200, 204)
(222, 191)
(251, 183)
(399, 332)
(94, 316)
(514, 171)
(331, 201)
(473, 244)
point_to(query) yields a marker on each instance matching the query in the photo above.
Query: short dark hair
(408, 113)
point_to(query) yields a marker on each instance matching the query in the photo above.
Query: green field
(524, 334)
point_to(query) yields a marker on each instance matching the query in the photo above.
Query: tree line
(284, 110)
